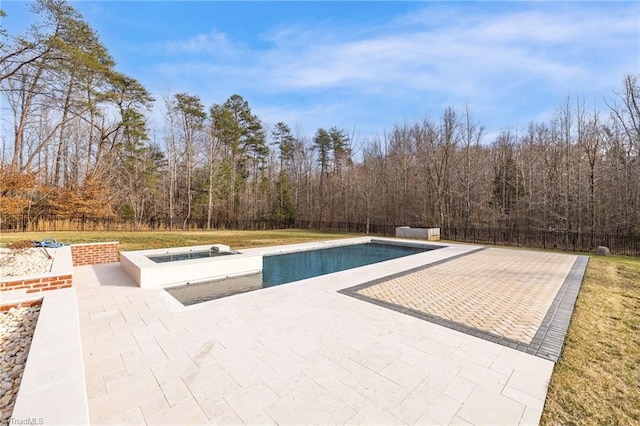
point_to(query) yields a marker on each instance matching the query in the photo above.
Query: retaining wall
(94, 253)
(60, 276)
(64, 259)
(20, 304)
(37, 284)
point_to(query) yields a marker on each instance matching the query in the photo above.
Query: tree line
(82, 142)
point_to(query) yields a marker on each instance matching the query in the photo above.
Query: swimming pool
(290, 267)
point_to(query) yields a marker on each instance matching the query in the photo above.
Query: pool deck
(303, 353)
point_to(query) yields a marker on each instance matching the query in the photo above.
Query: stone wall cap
(94, 244)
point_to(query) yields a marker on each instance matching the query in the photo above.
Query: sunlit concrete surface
(299, 353)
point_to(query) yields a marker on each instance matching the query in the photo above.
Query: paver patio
(300, 353)
(467, 290)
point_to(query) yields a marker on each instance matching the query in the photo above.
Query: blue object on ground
(48, 243)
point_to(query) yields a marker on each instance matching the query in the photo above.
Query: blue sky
(365, 66)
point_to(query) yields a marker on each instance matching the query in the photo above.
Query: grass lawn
(151, 240)
(597, 380)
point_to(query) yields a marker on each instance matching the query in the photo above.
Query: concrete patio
(300, 353)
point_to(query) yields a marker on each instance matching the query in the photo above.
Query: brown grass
(149, 240)
(597, 380)
(20, 245)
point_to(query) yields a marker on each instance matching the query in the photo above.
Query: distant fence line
(356, 228)
(628, 245)
(54, 223)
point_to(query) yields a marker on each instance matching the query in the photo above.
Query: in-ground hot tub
(180, 265)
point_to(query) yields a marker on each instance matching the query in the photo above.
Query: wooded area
(82, 142)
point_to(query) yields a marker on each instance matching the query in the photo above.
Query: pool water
(289, 267)
(174, 257)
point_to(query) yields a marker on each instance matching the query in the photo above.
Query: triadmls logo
(27, 421)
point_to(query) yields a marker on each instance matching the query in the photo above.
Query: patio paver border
(549, 339)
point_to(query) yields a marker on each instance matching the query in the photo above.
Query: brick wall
(94, 253)
(23, 304)
(35, 285)
(82, 254)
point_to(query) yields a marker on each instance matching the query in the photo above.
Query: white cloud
(521, 44)
(213, 42)
(438, 56)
